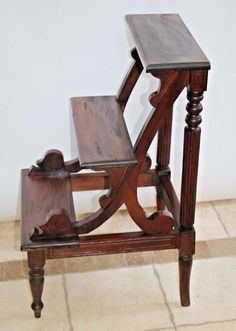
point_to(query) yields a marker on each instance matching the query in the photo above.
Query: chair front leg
(36, 261)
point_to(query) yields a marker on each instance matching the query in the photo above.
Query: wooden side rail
(117, 243)
(101, 180)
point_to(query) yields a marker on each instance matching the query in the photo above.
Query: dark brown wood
(40, 196)
(172, 84)
(57, 226)
(185, 266)
(130, 79)
(186, 251)
(36, 261)
(116, 243)
(168, 51)
(163, 153)
(192, 134)
(164, 141)
(170, 197)
(102, 136)
(101, 180)
(53, 162)
(164, 43)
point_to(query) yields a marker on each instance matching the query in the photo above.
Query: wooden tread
(39, 196)
(164, 42)
(102, 136)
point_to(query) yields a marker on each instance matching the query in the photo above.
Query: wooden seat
(165, 49)
(102, 136)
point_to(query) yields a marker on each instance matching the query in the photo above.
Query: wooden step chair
(164, 48)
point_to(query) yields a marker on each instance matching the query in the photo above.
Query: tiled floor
(128, 292)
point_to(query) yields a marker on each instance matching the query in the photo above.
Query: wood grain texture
(102, 137)
(130, 79)
(164, 42)
(101, 180)
(170, 197)
(36, 261)
(40, 196)
(117, 243)
(168, 51)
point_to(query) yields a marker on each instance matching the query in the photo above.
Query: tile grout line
(171, 315)
(206, 323)
(66, 299)
(219, 218)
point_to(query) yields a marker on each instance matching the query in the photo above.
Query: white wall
(52, 50)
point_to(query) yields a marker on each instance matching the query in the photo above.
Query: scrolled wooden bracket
(58, 225)
(53, 163)
(164, 221)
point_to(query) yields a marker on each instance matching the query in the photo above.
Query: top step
(164, 43)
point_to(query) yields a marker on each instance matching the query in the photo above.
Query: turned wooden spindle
(192, 133)
(36, 261)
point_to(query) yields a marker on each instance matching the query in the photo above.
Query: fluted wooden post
(192, 133)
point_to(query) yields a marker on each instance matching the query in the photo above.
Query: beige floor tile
(122, 299)
(213, 290)
(16, 313)
(140, 258)
(111, 261)
(81, 264)
(165, 329)
(166, 256)
(13, 270)
(223, 326)
(202, 250)
(207, 224)
(227, 212)
(222, 247)
(10, 242)
(171, 255)
(119, 222)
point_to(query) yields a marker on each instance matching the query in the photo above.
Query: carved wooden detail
(165, 49)
(53, 164)
(57, 226)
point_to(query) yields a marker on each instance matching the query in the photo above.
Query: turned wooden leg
(36, 261)
(192, 132)
(163, 152)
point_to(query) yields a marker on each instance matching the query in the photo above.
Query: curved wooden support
(146, 164)
(130, 79)
(53, 163)
(93, 221)
(57, 226)
(172, 84)
(116, 176)
(160, 222)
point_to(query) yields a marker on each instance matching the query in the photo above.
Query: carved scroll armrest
(53, 163)
(57, 226)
